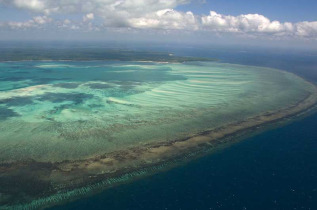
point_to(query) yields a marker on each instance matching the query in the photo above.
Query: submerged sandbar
(89, 125)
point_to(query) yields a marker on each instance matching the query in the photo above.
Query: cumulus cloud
(36, 5)
(166, 19)
(257, 25)
(152, 14)
(115, 13)
(96, 6)
(306, 29)
(42, 20)
(35, 22)
(88, 17)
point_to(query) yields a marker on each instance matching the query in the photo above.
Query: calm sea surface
(273, 170)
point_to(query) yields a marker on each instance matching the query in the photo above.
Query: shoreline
(68, 180)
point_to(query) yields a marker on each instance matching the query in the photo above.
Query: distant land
(87, 54)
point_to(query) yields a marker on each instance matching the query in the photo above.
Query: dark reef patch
(6, 113)
(76, 98)
(58, 109)
(17, 101)
(127, 87)
(41, 81)
(13, 79)
(38, 81)
(129, 83)
(95, 105)
(99, 86)
(67, 85)
(27, 180)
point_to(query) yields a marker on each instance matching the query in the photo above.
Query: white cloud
(87, 6)
(42, 20)
(88, 17)
(66, 22)
(35, 22)
(36, 5)
(241, 23)
(256, 24)
(152, 14)
(115, 13)
(306, 29)
(166, 19)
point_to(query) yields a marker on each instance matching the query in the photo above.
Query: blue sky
(283, 10)
(226, 20)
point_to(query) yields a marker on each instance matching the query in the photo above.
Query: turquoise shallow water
(52, 111)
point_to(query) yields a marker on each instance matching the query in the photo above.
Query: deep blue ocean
(276, 169)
